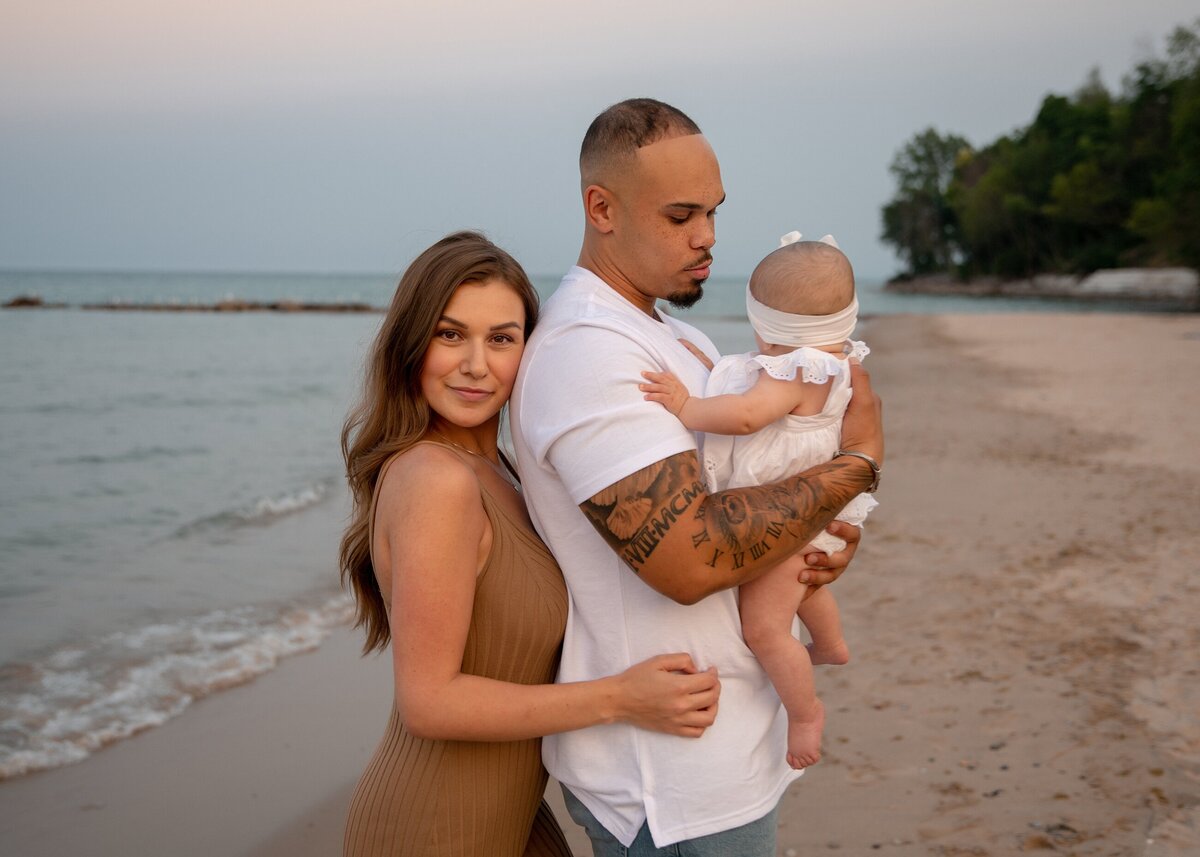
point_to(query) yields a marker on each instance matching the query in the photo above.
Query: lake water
(171, 492)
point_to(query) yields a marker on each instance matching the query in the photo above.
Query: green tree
(1095, 180)
(1166, 214)
(999, 224)
(919, 221)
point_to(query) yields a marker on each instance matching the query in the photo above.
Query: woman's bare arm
(430, 560)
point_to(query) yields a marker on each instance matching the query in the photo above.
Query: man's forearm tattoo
(636, 513)
(727, 528)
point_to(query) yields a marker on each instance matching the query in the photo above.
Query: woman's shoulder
(429, 475)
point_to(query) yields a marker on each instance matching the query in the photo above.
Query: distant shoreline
(1179, 287)
(35, 302)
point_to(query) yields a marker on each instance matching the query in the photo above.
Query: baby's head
(802, 295)
(804, 278)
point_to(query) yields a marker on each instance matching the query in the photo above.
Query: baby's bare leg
(768, 605)
(819, 613)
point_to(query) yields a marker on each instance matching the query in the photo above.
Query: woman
(445, 566)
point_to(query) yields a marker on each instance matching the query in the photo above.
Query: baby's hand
(698, 354)
(666, 389)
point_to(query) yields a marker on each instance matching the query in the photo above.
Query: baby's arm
(745, 413)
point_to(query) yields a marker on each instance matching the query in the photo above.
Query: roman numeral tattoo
(765, 521)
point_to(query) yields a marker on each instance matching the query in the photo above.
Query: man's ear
(598, 205)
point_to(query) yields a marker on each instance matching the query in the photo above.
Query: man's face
(665, 217)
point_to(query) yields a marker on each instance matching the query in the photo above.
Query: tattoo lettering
(759, 520)
(636, 514)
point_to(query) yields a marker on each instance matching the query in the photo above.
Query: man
(613, 485)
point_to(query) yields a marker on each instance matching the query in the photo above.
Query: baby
(785, 406)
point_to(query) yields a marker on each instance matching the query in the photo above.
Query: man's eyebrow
(457, 323)
(693, 206)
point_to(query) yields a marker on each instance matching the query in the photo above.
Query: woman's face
(471, 362)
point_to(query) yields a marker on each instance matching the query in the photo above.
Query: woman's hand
(668, 694)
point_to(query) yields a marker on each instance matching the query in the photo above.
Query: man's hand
(862, 427)
(826, 568)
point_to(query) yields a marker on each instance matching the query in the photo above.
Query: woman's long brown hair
(392, 414)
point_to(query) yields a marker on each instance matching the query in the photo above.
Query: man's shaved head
(615, 135)
(805, 278)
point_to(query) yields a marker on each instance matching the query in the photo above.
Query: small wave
(135, 455)
(285, 504)
(261, 511)
(76, 700)
(70, 408)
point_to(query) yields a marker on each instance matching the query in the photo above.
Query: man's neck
(610, 274)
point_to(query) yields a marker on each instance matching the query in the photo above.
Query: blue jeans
(756, 839)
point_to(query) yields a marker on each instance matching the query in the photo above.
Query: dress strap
(375, 504)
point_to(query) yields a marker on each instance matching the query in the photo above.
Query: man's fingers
(860, 378)
(844, 531)
(862, 427)
(861, 394)
(837, 560)
(815, 577)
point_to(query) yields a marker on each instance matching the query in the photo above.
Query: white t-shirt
(579, 425)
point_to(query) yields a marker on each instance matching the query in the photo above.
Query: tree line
(1097, 180)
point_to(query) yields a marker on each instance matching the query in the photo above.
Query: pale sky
(313, 135)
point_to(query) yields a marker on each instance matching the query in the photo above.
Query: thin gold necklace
(507, 473)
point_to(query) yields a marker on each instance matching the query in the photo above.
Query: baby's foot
(836, 652)
(804, 737)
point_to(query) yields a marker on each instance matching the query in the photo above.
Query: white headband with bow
(776, 327)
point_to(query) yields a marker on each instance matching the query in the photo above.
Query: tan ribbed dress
(472, 798)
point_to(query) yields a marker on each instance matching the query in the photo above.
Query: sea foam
(264, 510)
(70, 703)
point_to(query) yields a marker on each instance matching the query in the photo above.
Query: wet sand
(1023, 619)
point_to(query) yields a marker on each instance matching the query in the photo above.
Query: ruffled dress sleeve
(815, 366)
(735, 374)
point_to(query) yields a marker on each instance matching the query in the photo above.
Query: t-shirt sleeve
(583, 414)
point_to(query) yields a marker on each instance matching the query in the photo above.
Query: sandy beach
(1023, 618)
